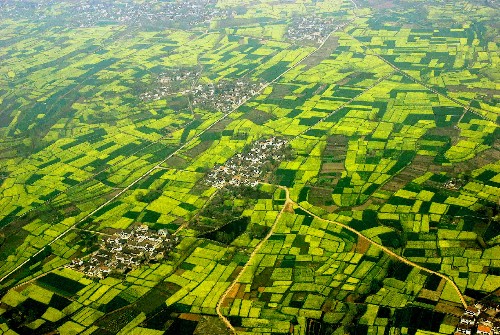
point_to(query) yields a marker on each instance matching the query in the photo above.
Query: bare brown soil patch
(241, 291)
(289, 208)
(362, 245)
(235, 273)
(177, 162)
(322, 53)
(190, 317)
(449, 308)
(332, 167)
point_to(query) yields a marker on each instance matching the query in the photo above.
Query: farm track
(36, 278)
(159, 165)
(345, 104)
(107, 168)
(288, 201)
(425, 85)
(388, 251)
(466, 108)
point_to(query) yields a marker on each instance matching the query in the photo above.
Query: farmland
(324, 167)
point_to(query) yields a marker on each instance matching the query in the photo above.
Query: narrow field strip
(289, 202)
(390, 252)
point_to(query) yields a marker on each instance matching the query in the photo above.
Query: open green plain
(383, 218)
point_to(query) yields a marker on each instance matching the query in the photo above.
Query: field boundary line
(347, 103)
(184, 145)
(370, 51)
(43, 274)
(388, 251)
(288, 201)
(384, 249)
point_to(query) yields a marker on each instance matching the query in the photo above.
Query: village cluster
(224, 95)
(185, 13)
(173, 82)
(247, 168)
(314, 29)
(480, 319)
(126, 250)
(90, 13)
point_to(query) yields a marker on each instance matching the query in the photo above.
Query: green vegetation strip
(390, 252)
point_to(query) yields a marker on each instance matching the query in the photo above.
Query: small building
(464, 329)
(77, 262)
(142, 228)
(467, 319)
(473, 311)
(163, 232)
(488, 321)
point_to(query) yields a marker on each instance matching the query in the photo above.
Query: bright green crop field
(380, 214)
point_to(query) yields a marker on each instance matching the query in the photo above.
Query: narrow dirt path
(388, 251)
(252, 255)
(289, 202)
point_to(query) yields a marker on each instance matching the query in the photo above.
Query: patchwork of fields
(381, 217)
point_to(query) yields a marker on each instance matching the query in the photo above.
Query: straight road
(181, 147)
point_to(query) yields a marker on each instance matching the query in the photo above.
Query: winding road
(289, 202)
(252, 255)
(389, 252)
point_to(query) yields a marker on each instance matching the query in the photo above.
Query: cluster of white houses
(246, 169)
(186, 13)
(480, 319)
(173, 82)
(126, 250)
(224, 95)
(309, 28)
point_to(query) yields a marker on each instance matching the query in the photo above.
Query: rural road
(390, 252)
(421, 83)
(252, 255)
(181, 147)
